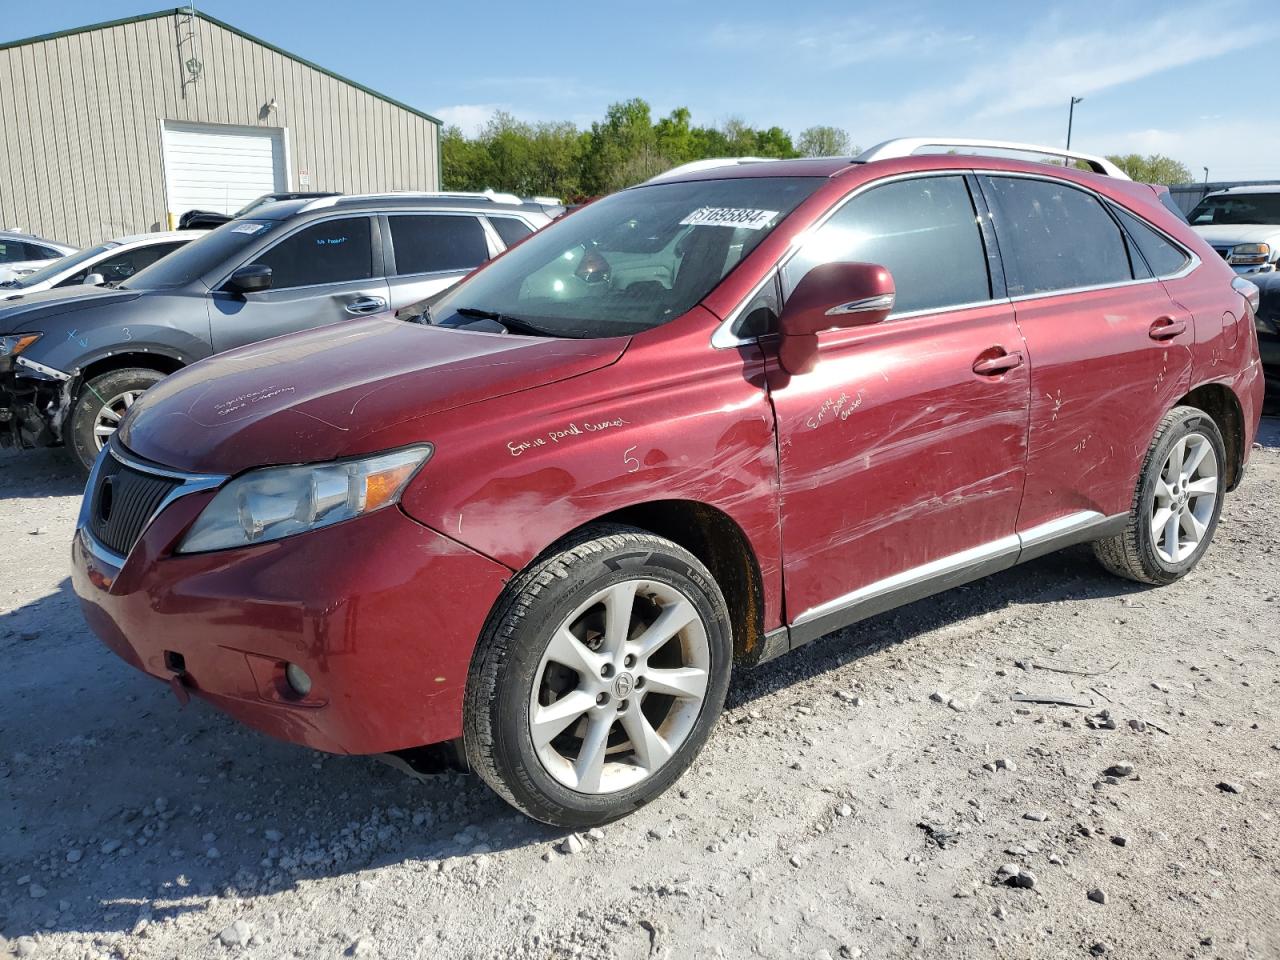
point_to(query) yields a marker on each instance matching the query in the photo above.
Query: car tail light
(1249, 291)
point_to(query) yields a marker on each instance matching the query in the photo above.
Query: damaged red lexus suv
(692, 426)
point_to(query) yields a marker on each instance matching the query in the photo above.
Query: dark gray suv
(73, 360)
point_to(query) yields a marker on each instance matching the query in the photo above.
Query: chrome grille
(124, 499)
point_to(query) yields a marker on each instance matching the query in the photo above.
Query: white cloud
(471, 117)
(1231, 149)
(835, 43)
(1053, 61)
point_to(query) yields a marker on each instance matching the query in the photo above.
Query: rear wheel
(1176, 504)
(598, 678)
(101, 405)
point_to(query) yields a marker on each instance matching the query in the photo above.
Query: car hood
(26, 312)
(324, 393)
(1228, 234)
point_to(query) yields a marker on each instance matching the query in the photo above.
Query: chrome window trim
(723, 338)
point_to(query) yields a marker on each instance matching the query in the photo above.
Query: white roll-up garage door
(209, 166)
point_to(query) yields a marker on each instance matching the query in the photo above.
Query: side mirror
(830, 296)
(94, 280)
(252, 278)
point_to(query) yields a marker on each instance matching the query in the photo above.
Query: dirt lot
(860, 798)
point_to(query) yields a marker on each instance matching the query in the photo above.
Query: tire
(1143, 552)
(612, 691)
(100, 397)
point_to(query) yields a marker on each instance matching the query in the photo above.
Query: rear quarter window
(1054, 236)
(1163, 257)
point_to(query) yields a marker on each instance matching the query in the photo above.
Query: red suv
(692, 426)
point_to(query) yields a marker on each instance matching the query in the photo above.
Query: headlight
(13, 345)
(1244, 254)
(277, 502)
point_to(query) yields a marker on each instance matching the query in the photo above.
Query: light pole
(1071, 114)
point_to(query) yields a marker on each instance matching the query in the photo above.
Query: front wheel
(598, 678)
(1176, 504)
(101, 405)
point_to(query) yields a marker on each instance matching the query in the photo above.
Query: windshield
(56, 269)
(630, 262)
(265, 198)
(1236, 208)
(198, 257)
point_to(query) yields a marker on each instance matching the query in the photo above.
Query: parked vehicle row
(74, 359)
(694, 425)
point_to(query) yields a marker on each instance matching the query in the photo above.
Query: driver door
(322, 273)
(902, 452)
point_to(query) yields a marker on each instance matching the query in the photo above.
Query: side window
(332, 251)
(760, 317)
(37, 252)
(924, 230)
(1054, 237)
(510, 229)
(124, 265)
(432, 243)
(12, 251)
(1163, 257)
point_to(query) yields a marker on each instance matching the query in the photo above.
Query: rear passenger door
(321, 273)
(433, 251)
(1109, 350)
(901, 454)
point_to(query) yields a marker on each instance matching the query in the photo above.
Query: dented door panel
(894, 452)
(1100, 384)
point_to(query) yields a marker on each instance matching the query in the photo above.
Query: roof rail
(489, 196)
(906, 146)
(710, 164)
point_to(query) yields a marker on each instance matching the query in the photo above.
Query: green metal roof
(181, 11)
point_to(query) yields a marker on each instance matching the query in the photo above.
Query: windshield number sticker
(247, 228)
(744, 217)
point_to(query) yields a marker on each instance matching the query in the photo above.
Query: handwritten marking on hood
(567, 432)
(226, 407)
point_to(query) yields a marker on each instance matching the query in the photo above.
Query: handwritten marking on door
(834, 407)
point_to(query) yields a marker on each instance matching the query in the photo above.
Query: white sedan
(109, 262)
(20, 254)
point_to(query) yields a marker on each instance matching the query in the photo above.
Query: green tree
(823, 142)
(1156, 168)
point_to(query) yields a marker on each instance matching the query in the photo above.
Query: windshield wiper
(513, 324)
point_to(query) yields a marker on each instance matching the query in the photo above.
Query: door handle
(366, 305)
(1166, 328)
(991, 366)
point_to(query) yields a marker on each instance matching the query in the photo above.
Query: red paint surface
(890, 453)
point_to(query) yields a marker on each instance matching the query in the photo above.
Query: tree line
(628, 146)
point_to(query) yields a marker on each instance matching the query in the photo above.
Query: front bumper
(381, 612)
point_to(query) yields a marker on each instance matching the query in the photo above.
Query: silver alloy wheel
(109, 416)
(1186, 493)
(619, 687)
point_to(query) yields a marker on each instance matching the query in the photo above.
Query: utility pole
(1071, 113)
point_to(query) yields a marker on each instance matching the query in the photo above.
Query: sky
(1194, 80)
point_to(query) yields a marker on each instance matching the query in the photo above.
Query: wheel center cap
(623, 685)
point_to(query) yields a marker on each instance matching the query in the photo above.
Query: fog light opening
(299, 682)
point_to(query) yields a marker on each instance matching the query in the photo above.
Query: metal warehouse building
(123, 126)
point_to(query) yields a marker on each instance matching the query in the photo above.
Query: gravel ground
(882, 793)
